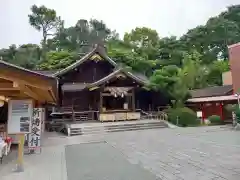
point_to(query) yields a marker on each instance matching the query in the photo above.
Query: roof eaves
(233, 45)
(115, 73)
(74, 65)
(137, 78)
(24, 69)
(106, 78)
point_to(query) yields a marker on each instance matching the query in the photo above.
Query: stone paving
(105, 164)
(203, 153)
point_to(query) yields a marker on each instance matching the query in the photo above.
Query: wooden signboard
(19, 123)
(19, 116)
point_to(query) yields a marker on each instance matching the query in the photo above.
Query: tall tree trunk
(44, 46)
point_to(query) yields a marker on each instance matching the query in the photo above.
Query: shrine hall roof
(97, 49)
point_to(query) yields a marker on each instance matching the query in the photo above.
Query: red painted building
(213, 100)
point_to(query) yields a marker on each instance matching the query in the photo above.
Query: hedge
(185, 116)
(237, 112)
(214, 119)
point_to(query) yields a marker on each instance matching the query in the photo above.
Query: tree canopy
(195, 60)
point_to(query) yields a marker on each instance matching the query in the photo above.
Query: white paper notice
(19, 116)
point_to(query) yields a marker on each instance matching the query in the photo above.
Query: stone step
(124, 129)
(125, 125)
(139, 128)
(136, 124)
(116, 128)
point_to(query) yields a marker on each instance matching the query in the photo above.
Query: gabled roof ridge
(96, 49)
(117, 70)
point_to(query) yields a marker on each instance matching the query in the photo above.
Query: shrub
(231, 107)
(214, 119)
(184, 116)
(237, 112)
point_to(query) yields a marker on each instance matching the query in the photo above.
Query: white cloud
(168, 17)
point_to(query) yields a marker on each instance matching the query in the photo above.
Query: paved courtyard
(205, 153)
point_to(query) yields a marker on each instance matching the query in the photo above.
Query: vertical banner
(34, 138)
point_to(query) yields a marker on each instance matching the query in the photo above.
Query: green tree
(80, 37)
(170, 51)
(26, 55)
(8, 54)
(45, 20)
(142, 37)
(194, 73)
(58, 60)
(211, 39)
(144, 41)
(170, 80)
(216, 69)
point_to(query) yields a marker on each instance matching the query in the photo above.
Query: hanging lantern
(115, 95)
(122, 95)
(1, 103)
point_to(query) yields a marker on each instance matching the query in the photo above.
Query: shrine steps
(99, 128)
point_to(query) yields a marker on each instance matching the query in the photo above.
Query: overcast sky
(168, 17)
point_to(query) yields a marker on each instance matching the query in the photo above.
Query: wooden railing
(85, 115)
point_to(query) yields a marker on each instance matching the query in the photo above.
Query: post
(101, 100)
(238, 101)
(19, 167)
(203, 113)
(221, 110)
(133, 99)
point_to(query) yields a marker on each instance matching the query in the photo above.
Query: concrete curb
(170, 125)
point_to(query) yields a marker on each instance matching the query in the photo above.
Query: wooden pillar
(221, 110)
(100, 100)
(61, 94)
(203, 113)
(19, 167)
(133, 100)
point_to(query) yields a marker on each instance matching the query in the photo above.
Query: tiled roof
(211, 91)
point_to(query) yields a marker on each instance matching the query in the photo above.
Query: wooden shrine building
(98, 87)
